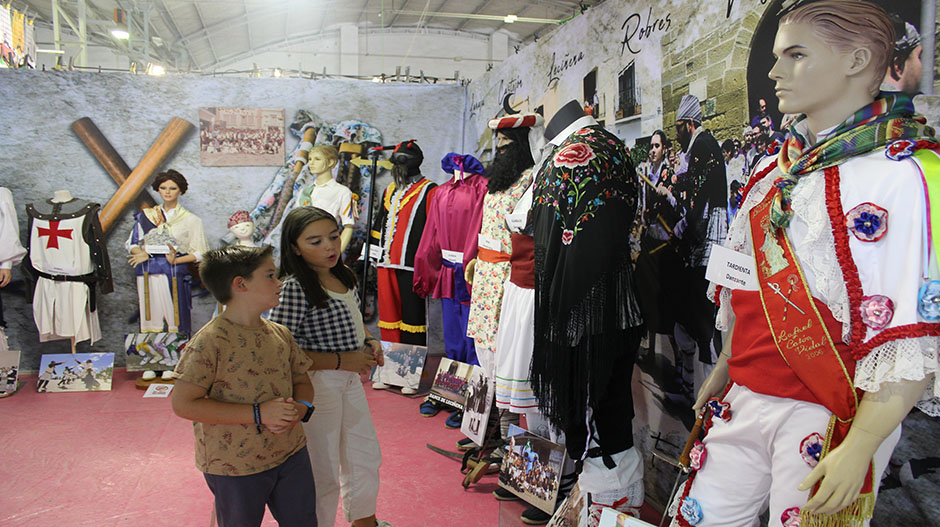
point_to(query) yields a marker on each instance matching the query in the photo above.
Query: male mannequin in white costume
(835, 225)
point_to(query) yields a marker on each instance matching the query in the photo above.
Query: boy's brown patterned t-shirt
(243, 365)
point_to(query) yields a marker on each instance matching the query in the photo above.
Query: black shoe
(466, 444)
(502, 494)
(535, 516)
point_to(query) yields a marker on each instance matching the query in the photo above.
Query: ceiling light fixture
(155, 69)
(120, 34)
(277, 73)
(510, 19)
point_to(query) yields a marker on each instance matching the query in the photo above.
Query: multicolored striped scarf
(889, 117)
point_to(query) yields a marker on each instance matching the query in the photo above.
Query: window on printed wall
(628, 95)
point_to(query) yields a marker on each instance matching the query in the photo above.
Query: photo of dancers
(9, 366)
(531, 468)
(450, 383)
(153, 351)
(81, 372)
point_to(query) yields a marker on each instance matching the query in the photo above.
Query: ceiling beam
(479, 8)
(202, 22)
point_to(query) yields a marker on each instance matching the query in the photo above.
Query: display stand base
(141, 384)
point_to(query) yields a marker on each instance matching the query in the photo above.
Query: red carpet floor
(112, 459)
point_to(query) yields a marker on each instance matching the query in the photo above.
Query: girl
(320, 306)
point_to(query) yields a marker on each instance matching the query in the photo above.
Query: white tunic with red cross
(62, 309)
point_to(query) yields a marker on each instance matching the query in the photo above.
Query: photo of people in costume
(404, 364)
(531, 468)
(9, 370)
(153, 351)
(241, 136)
(79, 372)
(451, 383)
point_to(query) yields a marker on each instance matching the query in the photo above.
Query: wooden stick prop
(166, 143)
(287, 190)
(146, 295)
(176, 301)
(110, 160)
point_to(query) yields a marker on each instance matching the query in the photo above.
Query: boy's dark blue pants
(287, 489)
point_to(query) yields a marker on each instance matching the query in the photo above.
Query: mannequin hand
(171, 256)
(137, 257)
(278, 415)
(714, 383)
(375, 348)
(5, 277)
(357, 362)
(842, 472)
(468, 272)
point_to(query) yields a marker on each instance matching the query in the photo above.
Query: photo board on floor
(404, 364)
(573, 512)
(613, 518)
(476, 413)
(531, 468)
(9, 371)
(153, 351)
(79, 372)
(450, 383)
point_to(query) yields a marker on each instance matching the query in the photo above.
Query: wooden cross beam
(113, 163)
(128, 190)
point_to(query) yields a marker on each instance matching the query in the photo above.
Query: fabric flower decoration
(573, 156)
(691, 510)
(928, 301)
(811, 449)
(867, 221)
(566, 236)
(697, 456)
(900, 149)
(719, 409)
(791, 517)
(877, 311)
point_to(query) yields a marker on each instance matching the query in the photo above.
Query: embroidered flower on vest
(867, 221)
(877, 311)
(898, 150)
(791, 517)
(697, 456)
(928, 301)
(720, 409)
(575, 155)
(691, 510)
(811, 449)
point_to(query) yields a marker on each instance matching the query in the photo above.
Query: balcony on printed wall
(628, 113)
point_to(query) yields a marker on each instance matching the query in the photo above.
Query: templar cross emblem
(53, 233)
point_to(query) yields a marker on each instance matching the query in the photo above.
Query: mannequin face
(243, 230)
(317, 163)
(169, 192)
(810, 75)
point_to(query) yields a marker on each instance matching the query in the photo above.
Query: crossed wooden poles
(132, 182)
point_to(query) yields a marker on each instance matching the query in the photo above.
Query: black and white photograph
(476, 412)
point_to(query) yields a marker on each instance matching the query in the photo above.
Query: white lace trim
(817, 249)
(909, 359)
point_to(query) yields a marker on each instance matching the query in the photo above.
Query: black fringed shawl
(584, 206)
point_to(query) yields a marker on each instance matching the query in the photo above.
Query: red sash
(804, 343)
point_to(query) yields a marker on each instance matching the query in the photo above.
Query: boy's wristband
(257, 410)
(339, 361)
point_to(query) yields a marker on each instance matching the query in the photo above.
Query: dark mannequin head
(406, 162)
(512, 158)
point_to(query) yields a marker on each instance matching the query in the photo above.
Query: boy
(243, 382)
